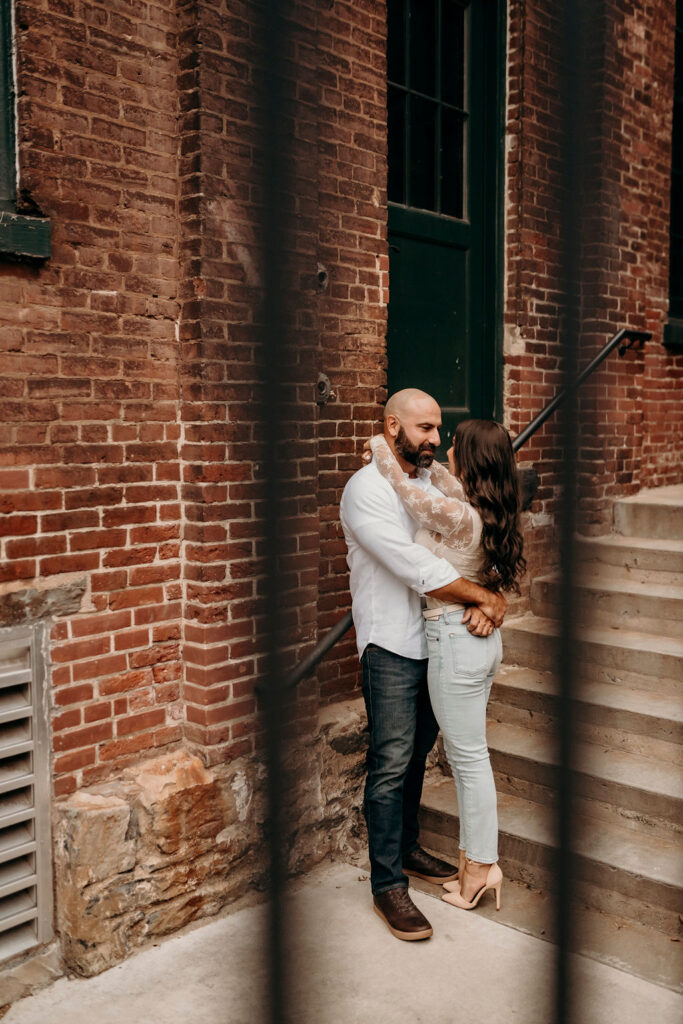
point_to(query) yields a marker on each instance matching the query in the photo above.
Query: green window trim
(21, 236)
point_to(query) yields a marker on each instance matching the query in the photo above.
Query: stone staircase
(629, 792)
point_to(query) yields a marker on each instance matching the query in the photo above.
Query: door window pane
(427, 120)
(423, 153)
(422, 46)
(396, 110)
(453, 54)
(396, 42)
(452, 162)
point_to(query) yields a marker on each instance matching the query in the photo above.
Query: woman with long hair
(474, 524)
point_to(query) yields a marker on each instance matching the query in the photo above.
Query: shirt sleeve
(368, 516)
(452, 517)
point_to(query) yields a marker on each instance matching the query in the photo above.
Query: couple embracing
(430, 552)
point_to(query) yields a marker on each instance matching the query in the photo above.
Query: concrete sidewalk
(347, 969)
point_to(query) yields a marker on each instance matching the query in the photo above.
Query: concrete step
(654, 513)
(613, 655)
(602, 600)
(644, 722)
(619, 872)
(632, 555)
(527, 763)
(627, 945)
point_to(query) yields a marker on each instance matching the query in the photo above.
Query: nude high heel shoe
(494, 880)
(454, 886)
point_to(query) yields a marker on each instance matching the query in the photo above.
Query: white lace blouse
(449, 526)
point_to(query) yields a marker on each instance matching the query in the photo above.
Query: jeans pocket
(470, 656)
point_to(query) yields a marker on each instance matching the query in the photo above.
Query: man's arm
(369, 516)
(462, 591)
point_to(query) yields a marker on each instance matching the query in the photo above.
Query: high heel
(494, 880)
(454, 885)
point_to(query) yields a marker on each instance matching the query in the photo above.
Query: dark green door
(444, 65)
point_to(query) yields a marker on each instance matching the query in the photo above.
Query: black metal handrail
(622, 340)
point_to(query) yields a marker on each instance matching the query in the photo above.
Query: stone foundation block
(172, 841)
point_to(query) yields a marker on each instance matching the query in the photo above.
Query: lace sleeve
(449, 516)
(446, 482)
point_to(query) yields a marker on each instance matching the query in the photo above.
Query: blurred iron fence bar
(274, 181)
(575, 106)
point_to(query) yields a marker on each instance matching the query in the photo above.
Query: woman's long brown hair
(485, 464)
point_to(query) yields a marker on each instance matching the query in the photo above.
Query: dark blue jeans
(402, 732)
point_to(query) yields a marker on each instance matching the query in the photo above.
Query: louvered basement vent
(25, 854)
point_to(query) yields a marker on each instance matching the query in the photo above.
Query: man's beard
(420, 456)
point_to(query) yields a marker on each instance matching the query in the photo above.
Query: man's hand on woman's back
(463, 591)
(477, 623)
(494, 606)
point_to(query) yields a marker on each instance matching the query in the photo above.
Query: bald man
(390, 574)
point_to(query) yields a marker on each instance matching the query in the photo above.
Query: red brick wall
(635, 435)
(131, 359)
(89, 412)
(223, 364)
(352, 305)
(631, 423)
(338, 257)
(646, 49)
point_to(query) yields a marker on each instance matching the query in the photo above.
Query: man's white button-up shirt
(390, 573)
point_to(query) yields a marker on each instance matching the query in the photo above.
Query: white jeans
(460, 674)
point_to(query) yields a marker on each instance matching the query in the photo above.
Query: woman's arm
(446, 482)
(449, 516)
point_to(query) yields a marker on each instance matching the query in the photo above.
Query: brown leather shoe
(421, 864)
(401, 916)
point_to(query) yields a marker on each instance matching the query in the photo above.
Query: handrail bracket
(634, 338)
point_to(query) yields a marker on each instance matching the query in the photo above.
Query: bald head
(403, 404)
(412, 419)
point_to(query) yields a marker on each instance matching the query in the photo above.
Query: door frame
(493, 234)
(494, 253)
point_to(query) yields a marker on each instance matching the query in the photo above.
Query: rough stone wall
(170, 841)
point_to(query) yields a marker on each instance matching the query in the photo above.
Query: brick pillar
(221, 291)
(353, 297)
